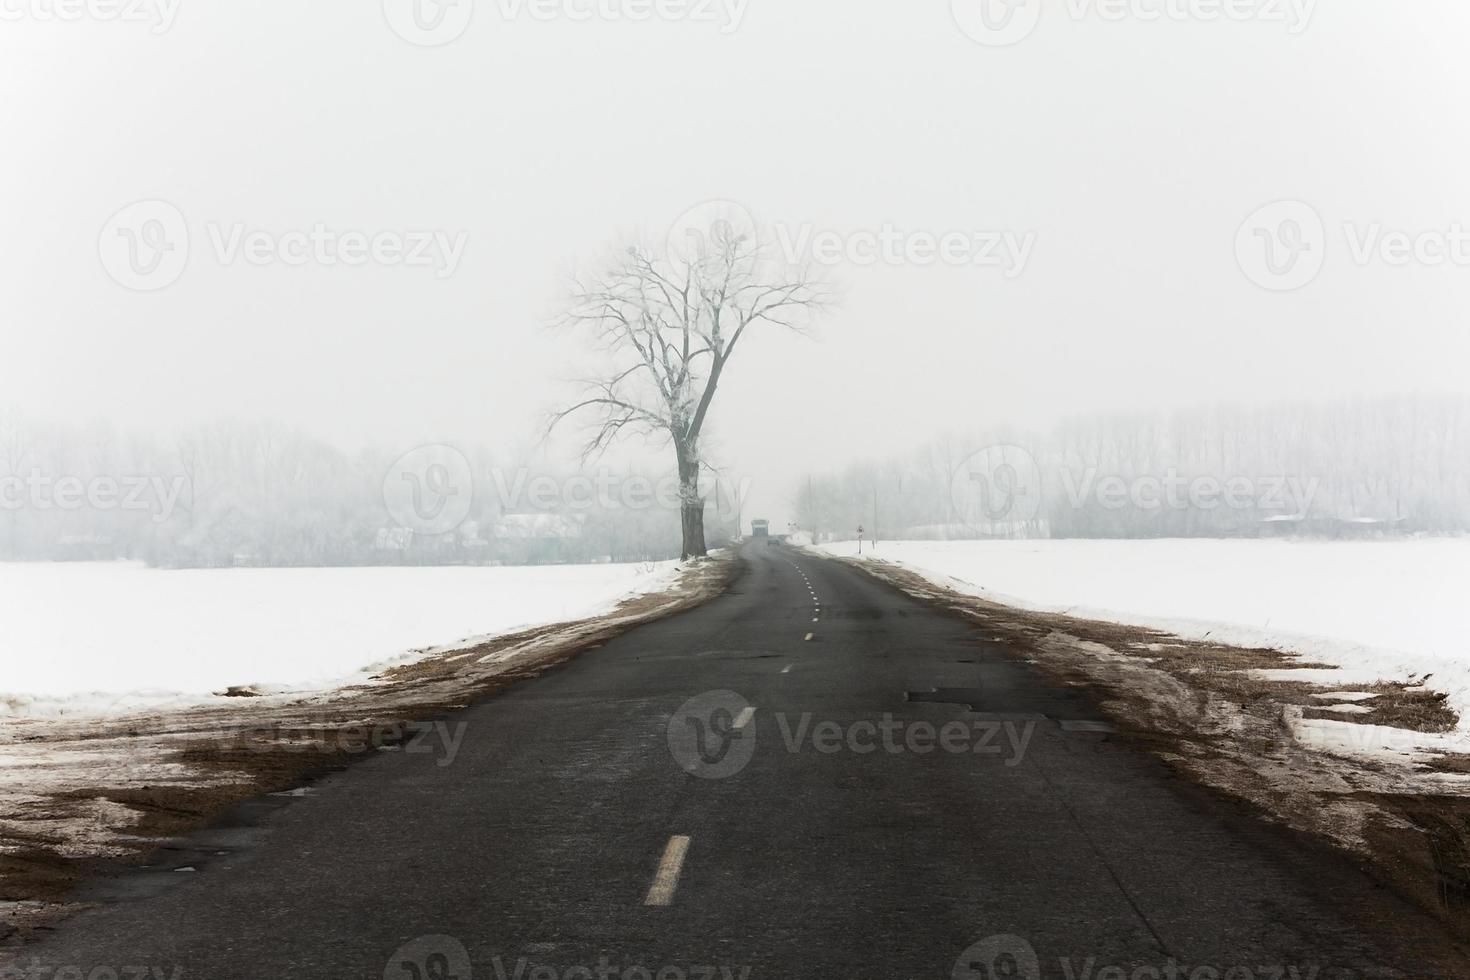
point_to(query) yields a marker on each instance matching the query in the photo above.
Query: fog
(1101, 169)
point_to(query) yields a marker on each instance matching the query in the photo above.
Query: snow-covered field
(146, 636)
(1395, 609)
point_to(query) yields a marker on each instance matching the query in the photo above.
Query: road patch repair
(84, 797)
(1377, 770)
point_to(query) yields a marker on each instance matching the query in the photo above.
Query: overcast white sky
(1132, 149)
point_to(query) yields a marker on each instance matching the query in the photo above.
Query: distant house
(461, 545)
(471, 543)
(1294, 525)
(538, 527)
(393, 539)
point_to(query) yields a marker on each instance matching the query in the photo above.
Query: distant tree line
(1350, 468)
(232, 494)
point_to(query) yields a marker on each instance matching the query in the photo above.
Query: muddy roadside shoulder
(1223, 717)
(104, 795)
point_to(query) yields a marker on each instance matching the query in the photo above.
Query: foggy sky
(1132, 150)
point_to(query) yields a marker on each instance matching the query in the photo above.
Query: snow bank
(110, 637)
(1392, 610)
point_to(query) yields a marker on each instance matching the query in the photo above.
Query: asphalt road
(811, 776)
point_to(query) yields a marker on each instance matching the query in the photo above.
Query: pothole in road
(970, 697)
(738, 654)
(973, 697)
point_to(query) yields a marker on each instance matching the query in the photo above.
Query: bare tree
(668, 326)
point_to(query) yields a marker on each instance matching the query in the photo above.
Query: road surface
(811, 776)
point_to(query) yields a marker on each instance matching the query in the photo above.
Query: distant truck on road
(760, 529)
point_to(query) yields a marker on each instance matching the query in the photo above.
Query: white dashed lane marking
(666, 879)
(743, 719)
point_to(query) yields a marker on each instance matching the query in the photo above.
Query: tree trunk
(691, 505)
